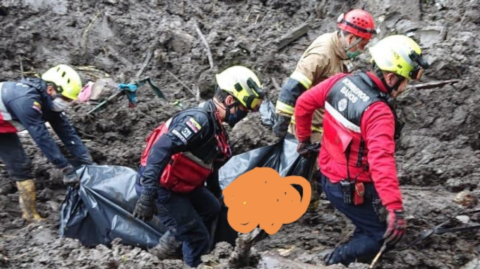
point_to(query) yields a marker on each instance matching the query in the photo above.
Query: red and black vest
(345, 104)
(187, 171)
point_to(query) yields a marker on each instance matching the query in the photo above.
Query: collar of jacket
(41, 86)
(377, 81)
(338, 47)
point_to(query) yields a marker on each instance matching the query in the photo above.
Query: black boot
(168, 247)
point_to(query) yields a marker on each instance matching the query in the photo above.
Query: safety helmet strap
(344, 40)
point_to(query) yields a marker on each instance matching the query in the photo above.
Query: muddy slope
(439, 148)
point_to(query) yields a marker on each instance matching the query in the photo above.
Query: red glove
(396, 227)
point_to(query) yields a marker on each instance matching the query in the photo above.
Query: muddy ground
(438, 154)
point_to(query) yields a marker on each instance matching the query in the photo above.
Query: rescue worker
(328, 55)
(182, 154)
(357, 158)
(27, 105)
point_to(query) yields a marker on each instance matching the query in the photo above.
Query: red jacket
(377, 129)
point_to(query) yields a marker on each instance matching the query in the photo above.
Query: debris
(85, 32)
(463, 219)
(276, 85)
(21, 66)
(435, 84)
(148, 57)
(466, 199)
(439, 230)
(202, 37)
(292, 35)
(269, 261)
(181, 82)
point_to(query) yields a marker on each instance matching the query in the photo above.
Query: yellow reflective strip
(313, 128)
(284, 107)
(306, 82)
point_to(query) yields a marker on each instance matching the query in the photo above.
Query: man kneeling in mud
(184, 153)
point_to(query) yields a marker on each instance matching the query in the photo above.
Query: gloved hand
(280, 128)
(70, 177)
(304, 148)
(396, 226)
(145, 207)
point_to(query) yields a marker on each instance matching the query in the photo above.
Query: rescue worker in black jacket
(27, 105)
(182, 154)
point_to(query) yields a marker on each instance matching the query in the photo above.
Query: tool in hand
(384, 246)
(439, 230)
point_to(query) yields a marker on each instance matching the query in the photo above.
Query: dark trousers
(18, 164)
(188, 217)
(368, 235)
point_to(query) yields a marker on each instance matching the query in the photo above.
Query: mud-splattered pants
(368, 235)
(188, 217)
(12, 154)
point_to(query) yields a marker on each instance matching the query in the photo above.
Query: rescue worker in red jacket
(27, 105)
(328, 55)
(357, 158)
(182, 154)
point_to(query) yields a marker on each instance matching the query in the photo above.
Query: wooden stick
(148, 57)
(292, 35)
(276, 85)
(85, 32)
(464, 15)
(378, 256)
(209, 52)
(21, 66)
(434, 84)
(181, 82)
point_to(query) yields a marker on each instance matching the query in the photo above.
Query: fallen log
(292, 35)
(435, 84)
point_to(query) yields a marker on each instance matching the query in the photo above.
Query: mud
(438, 153)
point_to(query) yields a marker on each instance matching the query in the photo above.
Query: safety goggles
(421, 64)
(255, 94)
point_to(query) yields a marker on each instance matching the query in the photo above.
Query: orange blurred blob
(262, 197)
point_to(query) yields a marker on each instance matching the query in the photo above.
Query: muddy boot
(6, 187)
(168, 247)
(27, 200)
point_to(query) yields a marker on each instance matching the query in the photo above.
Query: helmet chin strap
(390, 89)
(344, 41)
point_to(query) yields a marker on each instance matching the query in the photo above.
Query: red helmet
(358, 22)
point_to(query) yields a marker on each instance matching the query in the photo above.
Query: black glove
(305, 148)
(145, 208)
(280, 128)
(70, 177)
(396, 226)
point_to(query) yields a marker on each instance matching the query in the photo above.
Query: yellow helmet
(67, 80)
(399, 54)
(243, 84)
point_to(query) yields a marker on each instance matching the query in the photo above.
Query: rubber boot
(27, 200)
(168, 247)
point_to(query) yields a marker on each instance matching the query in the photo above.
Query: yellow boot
(27, 200)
